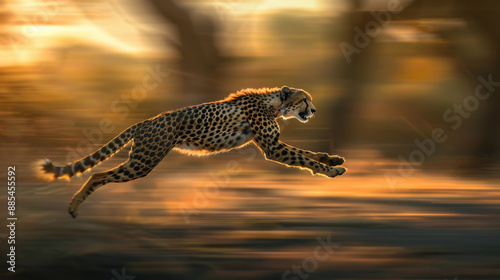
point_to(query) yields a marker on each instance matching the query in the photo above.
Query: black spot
(87, 161)
(79, 167)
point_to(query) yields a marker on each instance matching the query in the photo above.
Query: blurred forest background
(384, 74)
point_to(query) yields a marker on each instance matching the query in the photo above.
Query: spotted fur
(246, 116)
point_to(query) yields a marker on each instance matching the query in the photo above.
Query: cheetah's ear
(285, 93)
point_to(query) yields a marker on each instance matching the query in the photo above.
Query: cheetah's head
(296, 103)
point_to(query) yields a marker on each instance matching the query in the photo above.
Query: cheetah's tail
(46, 170)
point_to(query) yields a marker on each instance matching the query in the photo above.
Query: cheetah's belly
(219, 141)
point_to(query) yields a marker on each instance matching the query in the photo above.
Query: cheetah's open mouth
(303, 115)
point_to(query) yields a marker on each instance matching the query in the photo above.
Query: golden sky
(37, 27)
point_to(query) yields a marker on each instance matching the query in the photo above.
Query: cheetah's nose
(313, 111)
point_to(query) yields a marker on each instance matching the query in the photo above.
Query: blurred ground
(259, 224)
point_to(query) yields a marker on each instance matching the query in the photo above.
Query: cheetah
(246, 116)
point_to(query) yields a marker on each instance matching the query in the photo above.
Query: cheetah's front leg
(319, 157)
(282, 154)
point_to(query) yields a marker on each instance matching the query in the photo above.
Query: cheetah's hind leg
(95, 181)
(137, 166)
